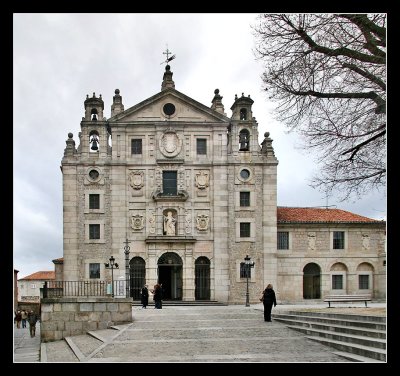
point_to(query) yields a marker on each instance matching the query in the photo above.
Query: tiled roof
(39, 276)
(296, 215)
(58, 260)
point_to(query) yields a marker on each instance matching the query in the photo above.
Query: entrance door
(170, 276)
(202, 278)
(137, 273)
(312, 281)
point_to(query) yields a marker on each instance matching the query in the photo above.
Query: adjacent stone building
(195, 193)
(29, 286)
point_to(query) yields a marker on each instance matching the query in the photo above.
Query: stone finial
(117, 106)
(70, 150)
(266, 146)
(217, 102)
(167, 79)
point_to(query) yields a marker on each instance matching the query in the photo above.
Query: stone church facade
(195, 194)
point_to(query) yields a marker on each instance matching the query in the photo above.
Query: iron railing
(60, 289)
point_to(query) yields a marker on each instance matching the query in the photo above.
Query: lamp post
(248, 265)
(112, 265)
(127, 276)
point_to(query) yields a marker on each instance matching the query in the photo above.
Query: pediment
(186, 110)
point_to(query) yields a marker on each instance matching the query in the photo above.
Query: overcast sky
(59, 58)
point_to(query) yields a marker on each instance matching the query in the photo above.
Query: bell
(94, 117)
(94, 144)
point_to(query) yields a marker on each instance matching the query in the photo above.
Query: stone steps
(361, 337)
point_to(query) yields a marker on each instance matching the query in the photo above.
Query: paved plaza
(178, 334)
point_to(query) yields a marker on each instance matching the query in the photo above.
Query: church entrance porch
(170, 276)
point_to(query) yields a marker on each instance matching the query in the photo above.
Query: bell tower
(94, 135)
(244, 128)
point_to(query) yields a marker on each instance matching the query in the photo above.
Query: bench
(347, 298)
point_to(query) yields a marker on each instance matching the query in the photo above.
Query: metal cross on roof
(168, 52)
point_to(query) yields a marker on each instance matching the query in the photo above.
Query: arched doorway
(312, 281)
(137, 272)
(202, 278)
(170, 275)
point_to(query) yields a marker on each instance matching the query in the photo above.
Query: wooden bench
(347, 298)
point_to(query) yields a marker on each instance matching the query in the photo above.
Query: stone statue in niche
(311, 241)
(202, 222)
(169, 224)
(137, 222)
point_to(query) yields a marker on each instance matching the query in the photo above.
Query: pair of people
(157, 297)
(268, 298)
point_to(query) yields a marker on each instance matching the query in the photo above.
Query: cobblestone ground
(209, 334)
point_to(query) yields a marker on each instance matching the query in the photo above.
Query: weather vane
(168, 52)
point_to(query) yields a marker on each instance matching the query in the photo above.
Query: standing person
(144, 296)
(268, 299)
(18, 318)
(157, 296)
(24, 316)
(32, 319)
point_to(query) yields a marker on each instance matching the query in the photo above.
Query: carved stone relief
(311, 241)
(136, 180)
(152, 222)
(202, 179)
(137, 222)
(365, 241)
(170, 144)
(202, 222)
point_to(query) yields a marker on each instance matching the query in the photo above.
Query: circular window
(169, 109)
(245, 174)
(94, 174)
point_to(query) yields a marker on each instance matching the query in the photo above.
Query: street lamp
(112, 265)
(127, 276)
(248, 265)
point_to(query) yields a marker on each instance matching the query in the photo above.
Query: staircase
(166, 303)
(357, 337)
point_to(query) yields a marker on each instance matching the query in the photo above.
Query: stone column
(188, 276)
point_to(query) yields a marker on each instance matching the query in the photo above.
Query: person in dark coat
(144, 296)
(157, 296)
(268, 299)
(32, 319)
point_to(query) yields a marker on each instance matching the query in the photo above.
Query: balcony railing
(61, 289)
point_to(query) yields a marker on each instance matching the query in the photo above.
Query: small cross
(167, 52)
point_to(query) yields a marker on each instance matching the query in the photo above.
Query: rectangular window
(363, 282)
(136, 145)
(201, 146)
(94, 231)
(337, 282)
(94, 270)
(283, 240)
(338, 239)
(33, 286)
(244, 198)
(170, 183)
(94, 201)
(244, 270)
(245, 229)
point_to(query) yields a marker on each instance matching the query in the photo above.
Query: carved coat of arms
(137, 222)
(202, 179)
(136, 179)
(170, 144)
(202, 222)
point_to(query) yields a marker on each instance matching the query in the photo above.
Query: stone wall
(64, 317)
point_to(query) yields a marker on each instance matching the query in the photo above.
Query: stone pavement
(186, 334)
(26, 349)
